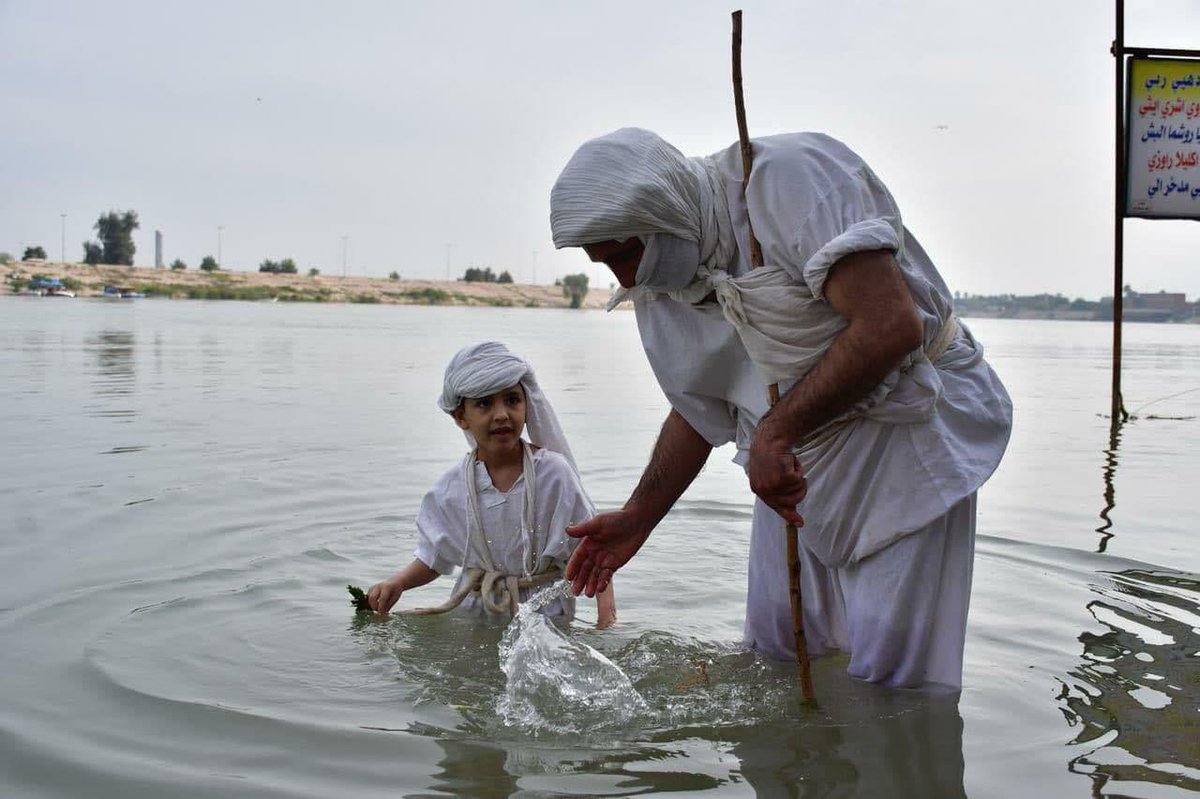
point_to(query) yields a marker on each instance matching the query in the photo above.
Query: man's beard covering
(670, 265)
(633, 183)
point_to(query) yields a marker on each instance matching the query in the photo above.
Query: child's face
(496, 421)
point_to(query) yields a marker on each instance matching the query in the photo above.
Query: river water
(187, 488)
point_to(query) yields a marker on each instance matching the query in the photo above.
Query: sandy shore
(193, 284)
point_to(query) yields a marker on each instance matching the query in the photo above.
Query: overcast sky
(429, 134)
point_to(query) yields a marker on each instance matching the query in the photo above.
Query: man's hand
(609, 541)
(882, 326)
(775, 473)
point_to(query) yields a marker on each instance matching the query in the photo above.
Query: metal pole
(63, 252)
(1117, 412)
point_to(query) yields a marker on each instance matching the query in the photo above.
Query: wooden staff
(756, 260)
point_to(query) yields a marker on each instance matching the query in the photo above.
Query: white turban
(632, 183)
(483, 369)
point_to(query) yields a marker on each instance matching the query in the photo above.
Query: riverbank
(89, 281)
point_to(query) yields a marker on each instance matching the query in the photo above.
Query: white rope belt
(500, 592)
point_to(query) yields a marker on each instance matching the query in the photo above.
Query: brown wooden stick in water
(756, 260)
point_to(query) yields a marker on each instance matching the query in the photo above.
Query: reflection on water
(1110, 492)
(914, 753)
(114, 381)
(473, 769)
(864, 742)
(115, 374)
(115, 366)
(212, 363)
(1134, 699)
(743, 726)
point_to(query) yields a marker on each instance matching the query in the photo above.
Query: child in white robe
(501, 513)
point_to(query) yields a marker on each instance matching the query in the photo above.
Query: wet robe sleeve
(442, 525)
(562, 502)
(932, 433)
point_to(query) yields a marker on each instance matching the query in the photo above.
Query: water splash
(556, 684)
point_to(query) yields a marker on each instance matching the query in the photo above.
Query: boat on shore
(121, 293)
(48, 287)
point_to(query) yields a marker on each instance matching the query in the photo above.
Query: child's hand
(606, 608)
(383, 596)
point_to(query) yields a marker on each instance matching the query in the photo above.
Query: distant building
(158, 258)
(1165, 306)
(1162, 301)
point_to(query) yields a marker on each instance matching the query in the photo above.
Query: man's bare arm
(611, 539)
(883, 326)
(678, 456)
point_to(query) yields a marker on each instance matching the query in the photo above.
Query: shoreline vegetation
(87, 280)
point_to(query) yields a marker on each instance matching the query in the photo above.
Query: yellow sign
(1163, 139)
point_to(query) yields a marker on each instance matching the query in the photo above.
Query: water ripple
(1133, 698)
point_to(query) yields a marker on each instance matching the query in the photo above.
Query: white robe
(560, 502)
(876, 482)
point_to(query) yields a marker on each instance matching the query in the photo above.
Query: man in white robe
(877, 449)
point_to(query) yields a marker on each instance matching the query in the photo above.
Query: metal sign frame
(1121, 54)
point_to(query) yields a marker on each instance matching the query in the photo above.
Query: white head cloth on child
(483, 369)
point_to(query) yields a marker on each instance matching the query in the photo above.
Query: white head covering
(483, 369)
(632, 183)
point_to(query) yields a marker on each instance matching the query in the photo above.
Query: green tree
(209, 264)
(314, 272)
(505, 277)
(115, 231)
(394, 276)
(285, 267)
(178, 265)
(34, 252)
(476, 275)
(575, 287)
(5, 258)
(92, 253)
